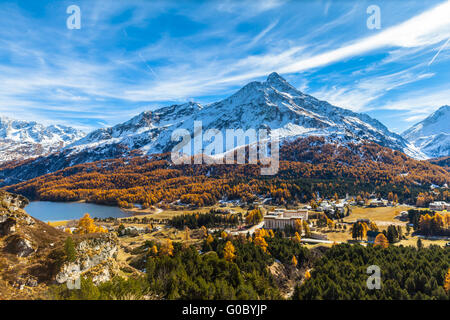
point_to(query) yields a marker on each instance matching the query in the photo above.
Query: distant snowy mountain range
(273, 104)
(432, 135)
(23, 139)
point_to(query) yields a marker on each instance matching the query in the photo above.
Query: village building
(439, 205)
(378, 203)
(339, 208)
(280, 219)
(404, 216)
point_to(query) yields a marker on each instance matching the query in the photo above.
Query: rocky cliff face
(13, 225)
(26, 247)
(96, 258)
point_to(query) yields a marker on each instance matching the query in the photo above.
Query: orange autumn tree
(307, 275)
(260, 242)
(373, 226)
(447, 282)
(86, 225)
(298, 225)
(254, 217)
(204, 231)
(381, 241)
(330, 223)
(359, 230)
(433, 224)
(154, 250)
(229, 251)
(186, 235)
(297, 238)
(294, 261)
(306, 229)
(167, 248)
(262, 233)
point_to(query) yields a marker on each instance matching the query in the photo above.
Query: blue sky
(131, 56)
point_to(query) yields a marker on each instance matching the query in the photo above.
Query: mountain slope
(308, 165)
(432, 135)
(272, 104)
(22, 139)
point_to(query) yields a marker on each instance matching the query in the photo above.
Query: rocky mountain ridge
(28, 139)
(432, 135)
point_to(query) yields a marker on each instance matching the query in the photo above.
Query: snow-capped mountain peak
(274, 104)
(432, 135)
(277, 82)
(26, 139)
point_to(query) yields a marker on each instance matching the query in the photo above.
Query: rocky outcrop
(13, 202)
(32, 253)
(19, 246)
(8, 226)
(28, 249)
(95, 258)
(12, 214)
(13, 218)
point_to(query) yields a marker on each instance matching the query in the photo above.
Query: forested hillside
(406, 273)
(443, 162)
(258, 267)
(308, 166)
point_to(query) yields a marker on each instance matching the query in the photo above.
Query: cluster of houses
(335, 207)
(281, 218)
(332, 207)
(135, 231)
(439, 205)
(378, 203)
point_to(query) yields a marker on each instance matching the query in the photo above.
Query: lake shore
(60, 212)
(133, 212)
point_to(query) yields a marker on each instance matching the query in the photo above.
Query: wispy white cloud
(260, 35)
(251, 7)
(359, 96)
(419, 102)
(416, 118)
(60, 75)
(428, 28)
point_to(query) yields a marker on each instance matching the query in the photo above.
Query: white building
(280, 219)
(439, 205)
(378, 203)
(326, 206)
